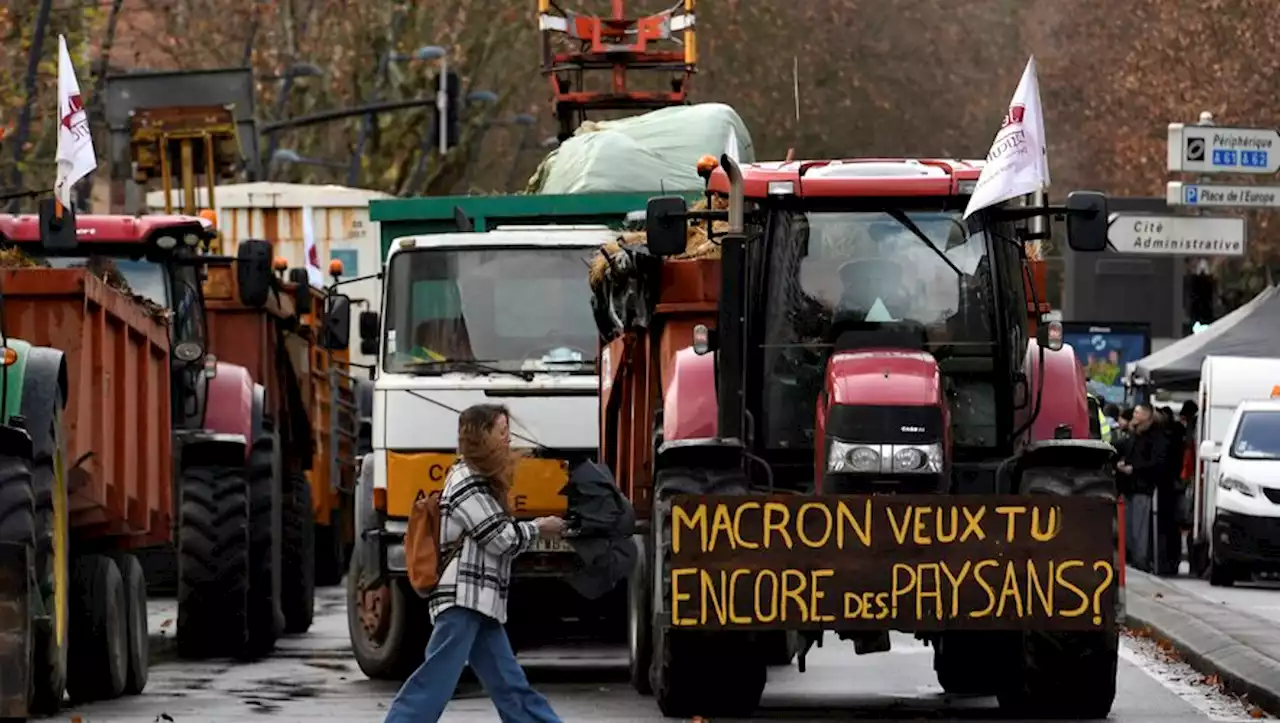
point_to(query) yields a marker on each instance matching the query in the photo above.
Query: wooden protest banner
(887, 561)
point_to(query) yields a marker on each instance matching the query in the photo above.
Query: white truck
(502, 316)
(1237, 487)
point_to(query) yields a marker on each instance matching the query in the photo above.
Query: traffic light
(1200, 292)
(452, 108)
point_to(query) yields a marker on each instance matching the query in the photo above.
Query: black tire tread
(98, 666)
(49, 667)
(298, 583)
(135, 596)
(407, 632)
(263, 628)
(213, 575)
(1065, 675)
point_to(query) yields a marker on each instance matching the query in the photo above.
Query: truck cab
(502, 316)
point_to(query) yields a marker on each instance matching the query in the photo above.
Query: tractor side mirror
(336, 334)
(666, 220)
(369, 330)
(1087, 221)
(302, 292)
(253, 272)
(57, 232)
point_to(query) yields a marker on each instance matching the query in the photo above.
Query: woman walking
(469, 604)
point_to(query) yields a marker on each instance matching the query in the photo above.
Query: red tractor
(847, 332)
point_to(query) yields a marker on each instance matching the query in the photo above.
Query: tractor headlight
(865, 457)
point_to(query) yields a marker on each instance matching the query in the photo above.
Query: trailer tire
(964, 662)
(264, 613)
(1064, 675)
(640, 619)
(135, 597)
(331, 559)
(213, 576)
(298, 588)
(401, 644)
(99, 669)
(695, 673)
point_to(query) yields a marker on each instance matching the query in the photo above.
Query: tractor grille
(885, 425)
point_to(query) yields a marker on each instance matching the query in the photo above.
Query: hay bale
(14, 258)
(697, 244)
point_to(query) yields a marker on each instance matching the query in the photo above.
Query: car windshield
(145, 278)
(501, 309)
(1258, 436)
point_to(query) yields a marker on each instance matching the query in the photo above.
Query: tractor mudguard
(44, 388)
(689, 402)
(1069, 453)
(204, 449)
(1062, 399)
(229, 404)
(704, 452)
(257, 413)
(16, 632)
(11, 378)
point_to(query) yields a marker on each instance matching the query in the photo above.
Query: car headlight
(866, 457)
(1235, 485)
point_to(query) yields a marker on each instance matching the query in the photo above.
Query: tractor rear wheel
(695, 673)
(640, 619)
(53, 552)
(213, 578)
(99, 670)
(298, 579)
(966, 662)
(1064, 675)
(265, 617)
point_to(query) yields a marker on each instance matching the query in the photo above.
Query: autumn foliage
(827, 77)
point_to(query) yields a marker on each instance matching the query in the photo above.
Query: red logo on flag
(74, 120)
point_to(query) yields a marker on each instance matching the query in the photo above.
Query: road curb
(1213, 638)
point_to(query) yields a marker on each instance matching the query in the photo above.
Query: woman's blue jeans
(463, 636)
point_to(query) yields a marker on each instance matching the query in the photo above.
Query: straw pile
(697, 244)
(102, 267)
(13, 258)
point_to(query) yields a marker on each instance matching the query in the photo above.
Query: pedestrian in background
(1112, 413)
(1170, 495)
(469, 604)
(1143, 464)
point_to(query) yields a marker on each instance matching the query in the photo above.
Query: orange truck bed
(117, 418)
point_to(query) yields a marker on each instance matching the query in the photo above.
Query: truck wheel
(135, 599)
(18, 527)
(298, 593)
(1064, 675)
(213, 584)
(53, 550)
(99, 668)
(263, 611)
(330, 556)
(695, 673)
(640, 620)
(388, 623)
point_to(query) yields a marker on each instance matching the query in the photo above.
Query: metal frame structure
(617, 44)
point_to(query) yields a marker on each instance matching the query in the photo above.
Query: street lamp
(288, 155)
(424, 53)
(295, 70)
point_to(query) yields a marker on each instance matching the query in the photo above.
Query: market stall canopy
(1253, 330)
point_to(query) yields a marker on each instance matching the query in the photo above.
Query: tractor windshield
(831, 272)
(501, 309)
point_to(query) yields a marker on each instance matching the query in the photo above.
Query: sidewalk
(1241, 648)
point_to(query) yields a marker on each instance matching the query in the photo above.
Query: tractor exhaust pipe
(736, 203)
(731, 358)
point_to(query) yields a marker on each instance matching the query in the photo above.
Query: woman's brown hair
(484, 451)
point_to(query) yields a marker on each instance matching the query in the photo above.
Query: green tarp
(657, 151)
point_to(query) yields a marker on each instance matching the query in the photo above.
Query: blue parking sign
(1192, 195)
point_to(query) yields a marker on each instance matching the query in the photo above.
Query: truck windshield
(829, 272)
(145, 278)
(1258, 436)
(511, 309)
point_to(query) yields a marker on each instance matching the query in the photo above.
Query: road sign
(1210, 149)
(1188, 235)
(1209, 195)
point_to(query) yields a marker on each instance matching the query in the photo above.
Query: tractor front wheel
(213, 576)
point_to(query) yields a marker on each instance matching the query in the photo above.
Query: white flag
(313, 254)
(76, 158)
(1018, 162)
(731, 145)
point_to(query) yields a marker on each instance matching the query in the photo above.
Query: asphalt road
(314, 677)
(1262, 597)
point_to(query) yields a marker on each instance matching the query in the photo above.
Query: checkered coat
(478, 576)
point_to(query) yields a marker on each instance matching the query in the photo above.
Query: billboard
(1104, 350)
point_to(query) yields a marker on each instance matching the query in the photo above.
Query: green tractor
(34, 550)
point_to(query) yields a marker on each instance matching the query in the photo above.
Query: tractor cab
(870, 338)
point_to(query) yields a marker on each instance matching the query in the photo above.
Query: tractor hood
(883, 377)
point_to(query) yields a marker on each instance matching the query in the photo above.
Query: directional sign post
(1212, 195)
(1189, 235)
(1212, 149)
